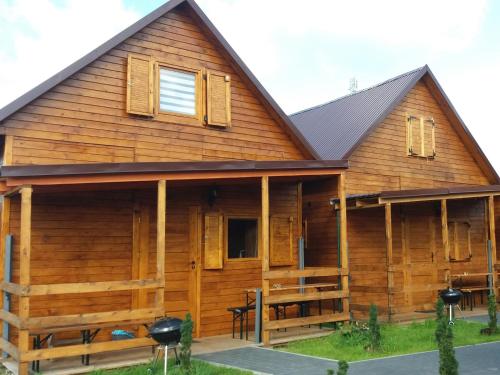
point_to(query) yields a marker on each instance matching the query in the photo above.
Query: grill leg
(165, 360)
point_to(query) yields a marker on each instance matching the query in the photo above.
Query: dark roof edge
(462, 124)
(34, 93)
(388, 109)
(166, 167)
(239, 63)
(415, 193)
(57, 78)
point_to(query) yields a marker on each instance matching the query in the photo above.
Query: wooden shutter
(413, 135)
(429, 138)
(459, 240)
(140, 84)
(281, 241)
(214, 231)
(218, 99)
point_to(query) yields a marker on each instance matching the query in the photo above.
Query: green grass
(396, 339)
(199, 368)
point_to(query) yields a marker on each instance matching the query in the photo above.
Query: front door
(195, 226)
(420, 269)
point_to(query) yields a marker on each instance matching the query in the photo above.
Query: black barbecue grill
(167, 333)
(451, 297)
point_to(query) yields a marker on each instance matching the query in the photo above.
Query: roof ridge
(360, 91)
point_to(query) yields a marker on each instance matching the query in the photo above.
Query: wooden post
(24, 272)
(446, 243)
(4, 230)
(160, 243)
(344, 258)
(491, 220)
(265, 257)
(390, 271)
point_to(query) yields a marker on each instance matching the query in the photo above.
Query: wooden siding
(90, 239)
(84, 118)
(381, 161)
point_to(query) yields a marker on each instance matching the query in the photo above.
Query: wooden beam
(265, 255)
(344, 257)
(10, 318)
(306, 272)
(310, 296)
(174, 176)
(439, 197)
(24, 271)
(446, 243)
(9, 348)
(160, 242)
(389, 257)
(4, 231)
(93, 287)
(7, 150)
(491, 221)
(297, 322)
(75, 350)
(45, 322)
(299, 210)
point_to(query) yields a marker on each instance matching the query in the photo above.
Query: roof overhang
(112, 173)
(382, 198)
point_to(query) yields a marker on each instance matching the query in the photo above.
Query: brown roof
(166, 167)
(238, 64)
(337, 128)
(421, 193)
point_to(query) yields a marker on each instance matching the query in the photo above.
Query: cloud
(41, 37)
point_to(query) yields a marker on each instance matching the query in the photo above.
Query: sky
(304, 53)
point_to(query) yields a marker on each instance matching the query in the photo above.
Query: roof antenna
(353, 85)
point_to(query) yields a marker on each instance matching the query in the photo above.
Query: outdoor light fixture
(212, 195)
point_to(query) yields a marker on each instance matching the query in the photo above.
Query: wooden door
(195, 266)
(419, 257)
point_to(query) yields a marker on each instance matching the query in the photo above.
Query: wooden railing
(303, 293)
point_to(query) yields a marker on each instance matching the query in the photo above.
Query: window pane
(177, 92)
(242, 238)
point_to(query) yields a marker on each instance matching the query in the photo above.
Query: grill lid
(451, 296)
(165, 325)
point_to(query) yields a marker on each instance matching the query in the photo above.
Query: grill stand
(165, 349)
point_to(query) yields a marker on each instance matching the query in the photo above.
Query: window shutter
(414, 135)
(429, 138)
(459, 240)
(140, 85)
(218, 99)
(214, 225)
(281, 241)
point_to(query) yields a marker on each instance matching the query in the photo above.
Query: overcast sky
(304, 53)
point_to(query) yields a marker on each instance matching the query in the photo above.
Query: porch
(429, 239)
(99, 248)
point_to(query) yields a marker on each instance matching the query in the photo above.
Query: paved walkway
(483, 359)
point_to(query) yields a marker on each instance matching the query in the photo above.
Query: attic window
(178, 91)
(420, 136)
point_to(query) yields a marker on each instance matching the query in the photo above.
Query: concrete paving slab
(482, 359)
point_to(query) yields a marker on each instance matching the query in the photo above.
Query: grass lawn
(396, 339)
(199, 368)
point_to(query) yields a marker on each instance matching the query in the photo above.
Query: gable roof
(213, 33)
(336, 129)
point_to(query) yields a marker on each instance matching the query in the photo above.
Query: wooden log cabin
(156, 176)
(153, 177)
(421, 196)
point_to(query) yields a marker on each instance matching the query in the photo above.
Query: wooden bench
(241, 313)
(468, 293)
(88, 333)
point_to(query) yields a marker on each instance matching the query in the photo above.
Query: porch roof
(418, 195)
(71, 174)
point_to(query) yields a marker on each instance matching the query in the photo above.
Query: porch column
(265, 256)
(160, 244)
(24, 273)
(491, 221)
(446, 244)
(389, 254)
(344, 258)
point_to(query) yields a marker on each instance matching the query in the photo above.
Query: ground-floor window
(242, 238)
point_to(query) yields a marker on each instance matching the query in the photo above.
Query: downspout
(7, 278)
